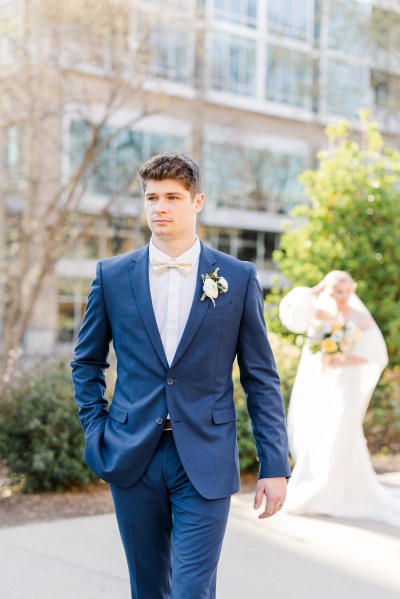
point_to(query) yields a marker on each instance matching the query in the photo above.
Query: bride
(340, 366)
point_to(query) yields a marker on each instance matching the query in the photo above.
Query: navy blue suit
(195, 390)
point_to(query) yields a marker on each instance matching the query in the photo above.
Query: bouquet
(333, 338)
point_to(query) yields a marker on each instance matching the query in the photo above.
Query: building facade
(245, 86)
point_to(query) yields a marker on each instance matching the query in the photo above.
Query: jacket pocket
(220, 309)
(224, 415)
(117, 413)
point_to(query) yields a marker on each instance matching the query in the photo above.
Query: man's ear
(199, 201)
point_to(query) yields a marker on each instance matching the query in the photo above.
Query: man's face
(170, 209)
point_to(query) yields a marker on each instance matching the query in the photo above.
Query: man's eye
(151, 198)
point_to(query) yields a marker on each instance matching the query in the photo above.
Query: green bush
(287, 357)
(41, 440)
(247, 451)
(382, 422)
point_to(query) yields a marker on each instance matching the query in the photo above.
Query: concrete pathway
(286, 557)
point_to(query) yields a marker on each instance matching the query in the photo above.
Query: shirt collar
(191, 255)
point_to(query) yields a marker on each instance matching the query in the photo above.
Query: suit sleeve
(90, 360)
(260, 381)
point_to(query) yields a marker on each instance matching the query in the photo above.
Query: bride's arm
(297, 309)
(337, 360)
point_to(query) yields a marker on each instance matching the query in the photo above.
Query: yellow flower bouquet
(332, 337)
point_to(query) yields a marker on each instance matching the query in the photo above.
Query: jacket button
(170, 381)
(159, 420)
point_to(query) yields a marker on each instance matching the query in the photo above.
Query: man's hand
(274, 490)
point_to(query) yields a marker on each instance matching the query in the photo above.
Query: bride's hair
(337, 276)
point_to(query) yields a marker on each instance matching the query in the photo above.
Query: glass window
(291, 18)
(318, 11)
(271, 243)
(386, 90)
(158, 143)
(90, 246)
(128, 157)
(252, 179)
(72, 297)
(346, 92)
(100, 177)
(86, 231)
(247, 246)
(288, 80)
(119, 242)
(226, 183)
(121, 233)
(241, 12)
(384, 32)
(380, 88)
(169, 52)
(257, 246)
(79, 139)
(66, 322)
(91, 36)
(220, 239)
(234, 64)
(254, 246)
(97, 174)
(224, 242)
(348, 26)
(115, 168)
(13, 147)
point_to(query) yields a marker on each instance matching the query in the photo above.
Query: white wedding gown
(333, 474)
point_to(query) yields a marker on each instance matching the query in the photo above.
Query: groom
(178, 313)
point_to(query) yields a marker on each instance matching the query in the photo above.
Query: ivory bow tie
(160, 266)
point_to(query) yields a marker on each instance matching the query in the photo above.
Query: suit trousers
(172, 536)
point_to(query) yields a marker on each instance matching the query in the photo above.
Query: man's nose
(162, 205)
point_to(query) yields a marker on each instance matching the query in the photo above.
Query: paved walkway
(286, 557)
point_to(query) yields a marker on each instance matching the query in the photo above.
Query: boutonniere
(213, 285)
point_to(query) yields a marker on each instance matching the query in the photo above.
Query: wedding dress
(333, 474)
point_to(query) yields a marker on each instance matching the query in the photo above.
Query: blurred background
(89, 90)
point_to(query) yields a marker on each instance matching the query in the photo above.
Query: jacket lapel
(198, 309)
(139, 274)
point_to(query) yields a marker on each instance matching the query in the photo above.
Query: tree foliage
(351, 223)
(57, 46)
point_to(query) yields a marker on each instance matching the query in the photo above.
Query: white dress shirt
(172, 295)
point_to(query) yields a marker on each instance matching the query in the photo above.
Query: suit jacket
(196, 389)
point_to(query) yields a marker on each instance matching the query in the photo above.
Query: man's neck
(173, 248)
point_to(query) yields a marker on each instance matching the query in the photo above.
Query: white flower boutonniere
(213, 285)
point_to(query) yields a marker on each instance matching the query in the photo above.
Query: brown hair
(172, 166)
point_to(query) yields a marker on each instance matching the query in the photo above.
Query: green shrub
(382, 422)
(287, 357)
(247, 451)
(41, 440)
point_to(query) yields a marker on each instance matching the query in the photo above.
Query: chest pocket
(220, 308)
